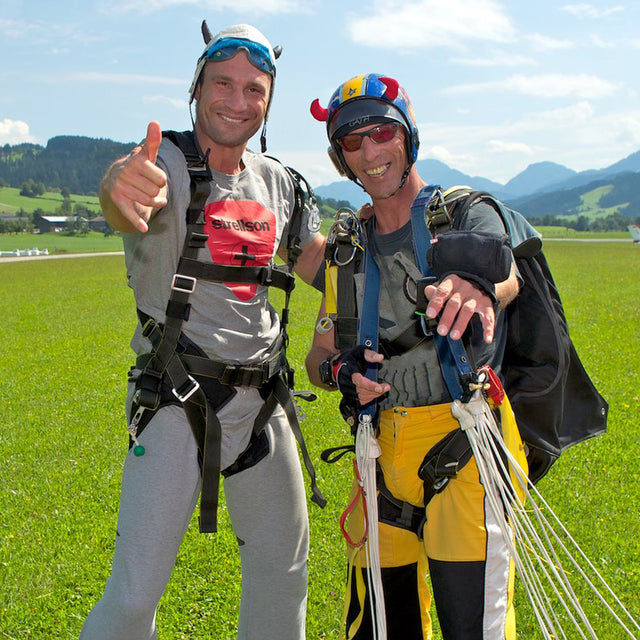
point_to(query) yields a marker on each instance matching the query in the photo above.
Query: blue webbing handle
(454, 360)
(368, 329)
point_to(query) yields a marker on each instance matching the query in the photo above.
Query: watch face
(325, 372)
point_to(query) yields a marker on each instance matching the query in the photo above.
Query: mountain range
(77, 163)
(543, 188)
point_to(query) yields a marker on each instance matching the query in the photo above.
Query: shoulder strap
(455, 363)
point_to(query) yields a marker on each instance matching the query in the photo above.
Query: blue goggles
(259, 55)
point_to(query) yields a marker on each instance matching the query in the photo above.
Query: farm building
(55, 224)
(50, 224)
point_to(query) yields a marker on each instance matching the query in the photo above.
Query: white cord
(367, 451)
(536, 547)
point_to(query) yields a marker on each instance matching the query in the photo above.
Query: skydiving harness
(178, 372)
(541, 369)
(345, 254)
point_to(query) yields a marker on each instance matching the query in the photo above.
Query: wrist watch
(326, 372)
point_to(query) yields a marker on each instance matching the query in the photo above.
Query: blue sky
(496, 86)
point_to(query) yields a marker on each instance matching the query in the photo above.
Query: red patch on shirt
(241, 232)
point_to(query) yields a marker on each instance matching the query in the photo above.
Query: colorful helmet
(363, 100)
(227, 43)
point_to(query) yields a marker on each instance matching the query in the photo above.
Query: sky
(496, 86)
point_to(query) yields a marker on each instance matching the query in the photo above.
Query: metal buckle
(195, 386)
(440, 484)
(179, 280)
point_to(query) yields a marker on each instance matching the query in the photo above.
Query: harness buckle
(265, 277)
(185, 284)
(133, 425)
(427, 325)
(440, 484)
(183, 397)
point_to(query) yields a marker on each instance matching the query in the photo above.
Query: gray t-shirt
(415, 375)
(246, 216)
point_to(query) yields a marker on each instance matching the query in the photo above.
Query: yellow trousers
(461, 548)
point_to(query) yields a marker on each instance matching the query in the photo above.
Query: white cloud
(444, 153)
(50, 33)
(114, 78)
(432, 23)
(584, 10)
(546, 43)
(14, 132)
(552, 85)
(505, 146)
(250, 7)
(500, 59)
(176, 103)
(315, 166)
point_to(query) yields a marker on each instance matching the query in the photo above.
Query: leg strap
(280, 390)
(397, 513)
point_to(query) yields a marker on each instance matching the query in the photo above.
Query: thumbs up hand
(134, 188)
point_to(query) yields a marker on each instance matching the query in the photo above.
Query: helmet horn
(318, 112)
(206, 33)
(392, 85)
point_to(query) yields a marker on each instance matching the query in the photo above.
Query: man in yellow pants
(374, 141)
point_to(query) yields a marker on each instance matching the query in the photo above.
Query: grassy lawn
(93, 242)
(65, 355)
(11, 201)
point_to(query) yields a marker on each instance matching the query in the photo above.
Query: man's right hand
(134, 187)
(354, 386)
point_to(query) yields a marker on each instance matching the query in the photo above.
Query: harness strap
(282, 394)
(268, 276)
(398, 513)
(210, 450)
(454, 361)
(347, 316)
(190, 372)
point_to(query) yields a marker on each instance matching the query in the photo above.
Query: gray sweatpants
(267, 507)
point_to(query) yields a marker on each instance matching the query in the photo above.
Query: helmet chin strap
(405, 175)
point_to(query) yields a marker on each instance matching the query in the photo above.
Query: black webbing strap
(208, 433)
(413, 335)
(282, 394)
(397, 513)
(346, 321)
(268, 276)
(443, 462)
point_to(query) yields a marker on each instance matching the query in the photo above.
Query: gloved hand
(344, 366)
(351, 364)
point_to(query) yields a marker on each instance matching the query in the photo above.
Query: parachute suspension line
(535, 546)
(367, 451)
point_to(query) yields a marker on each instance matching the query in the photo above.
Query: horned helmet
(226, 44)
(367, 99)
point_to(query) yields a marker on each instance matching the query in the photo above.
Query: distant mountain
(537, 177)
(541, 189)
(629, 164)
(619, 194)
(431, 171)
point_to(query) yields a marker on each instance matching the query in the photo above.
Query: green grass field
(93, 242)
(64, 356)
(11, 201)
